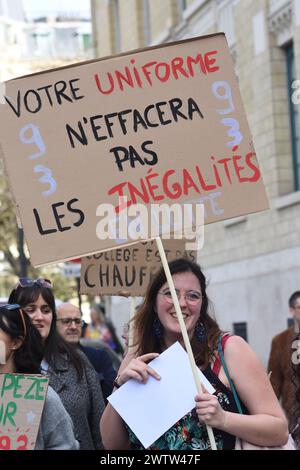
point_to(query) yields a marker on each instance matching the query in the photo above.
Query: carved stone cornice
(280, 23)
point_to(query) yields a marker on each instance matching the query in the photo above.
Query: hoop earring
(200, 332)
(157, 328)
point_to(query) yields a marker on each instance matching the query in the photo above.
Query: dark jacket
(102, 364)
(280, 363)
(82, 399)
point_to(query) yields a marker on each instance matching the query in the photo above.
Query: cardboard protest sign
(127, 270)
(163, 125)
(22, 400)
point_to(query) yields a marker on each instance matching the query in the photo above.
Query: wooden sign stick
(131, 324)
(183, 331)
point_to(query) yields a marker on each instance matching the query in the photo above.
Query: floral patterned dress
(188, 433)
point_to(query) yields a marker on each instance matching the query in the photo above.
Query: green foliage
(16, 257)
(64, 288)
(11, 237)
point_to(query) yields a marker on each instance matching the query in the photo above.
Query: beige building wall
(252, 262)
(103, 28)
(129, 24)
(163, 15)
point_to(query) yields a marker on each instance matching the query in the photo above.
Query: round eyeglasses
(191, 297)
(69, 321)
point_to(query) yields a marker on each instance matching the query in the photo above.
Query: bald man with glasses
(69, 326)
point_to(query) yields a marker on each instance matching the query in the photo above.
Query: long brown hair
(146, 341)
(28, 357)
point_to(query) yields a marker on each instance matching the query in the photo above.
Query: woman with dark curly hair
(24, 351)
(156, 328)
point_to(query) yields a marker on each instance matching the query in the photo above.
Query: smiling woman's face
(41, 316)
(184, 283)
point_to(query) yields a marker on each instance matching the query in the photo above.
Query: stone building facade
(28, 46)
(252, 262)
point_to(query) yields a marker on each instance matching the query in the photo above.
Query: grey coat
(56, 427)
(83, 400)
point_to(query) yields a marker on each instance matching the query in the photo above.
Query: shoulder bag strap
(232, 387)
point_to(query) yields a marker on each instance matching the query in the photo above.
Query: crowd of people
(41, 338)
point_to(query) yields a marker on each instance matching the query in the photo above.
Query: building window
(294, 114)
(146, 22)
(240, 329)
(87, 41)
(181, 7)
(117, 25)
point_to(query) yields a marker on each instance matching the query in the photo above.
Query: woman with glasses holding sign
(24, 351)
(71, 375)
(156, 328)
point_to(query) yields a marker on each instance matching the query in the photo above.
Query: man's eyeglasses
(69, 321)
(25, 282)
(15, 307)
(191, 297)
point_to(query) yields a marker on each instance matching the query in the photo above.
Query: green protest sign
(22, 400)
